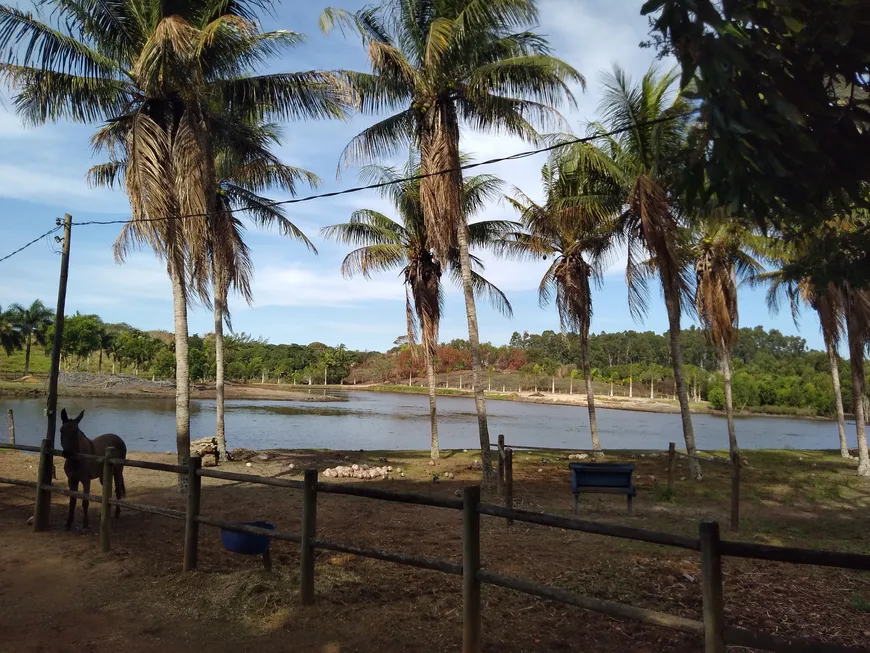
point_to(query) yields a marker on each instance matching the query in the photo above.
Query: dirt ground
(58, 593)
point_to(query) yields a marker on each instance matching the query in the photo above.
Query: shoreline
(305, 394)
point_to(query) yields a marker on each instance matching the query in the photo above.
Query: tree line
(752, 180)
(773, 372)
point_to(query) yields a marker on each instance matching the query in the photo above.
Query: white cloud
(298, 285)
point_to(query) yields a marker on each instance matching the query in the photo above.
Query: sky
(301, 297)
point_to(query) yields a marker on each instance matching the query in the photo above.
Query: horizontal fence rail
(711, 547)
(587, 526)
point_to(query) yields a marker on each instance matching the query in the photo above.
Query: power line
(357, 189)
(32, 242)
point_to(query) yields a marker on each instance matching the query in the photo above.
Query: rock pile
(363, 471)
(207, 449)
(578, 456)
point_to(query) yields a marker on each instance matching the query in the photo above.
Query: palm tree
(245, 167)
(642, 161)
(33, 323)
(11, 337)
(386, 244)
(722, 260)
(579, 236)
(160, 77)
(826, 300)
(436, 65)
(856, 307)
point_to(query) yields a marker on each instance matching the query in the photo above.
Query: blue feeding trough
(247, 543)
(603, 478)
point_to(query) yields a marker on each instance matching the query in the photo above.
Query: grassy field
(811, 499)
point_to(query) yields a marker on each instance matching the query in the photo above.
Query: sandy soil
(58, 593)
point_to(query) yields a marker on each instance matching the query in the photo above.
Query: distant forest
(773, 372)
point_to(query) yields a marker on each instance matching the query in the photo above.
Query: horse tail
(121, 489)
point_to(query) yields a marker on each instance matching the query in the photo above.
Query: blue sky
(301, 297)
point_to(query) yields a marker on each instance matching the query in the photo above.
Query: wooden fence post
(500, 464)
(309, 532)
(11, 419)
(471, 622)
(191, 529)
(43, 478)
(735, 491)
(509, 482)
(711, 587)
(105, 506)
(672, 459)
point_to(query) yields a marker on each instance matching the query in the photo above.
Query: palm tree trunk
(27, 356)
(182, 373)
(434, 452)
(630, 387)
(220, 302)
(673, 306)
(474, 342)
(725, 356)
(100, 362)
(856, 363)
(834, 360)
(590, 396)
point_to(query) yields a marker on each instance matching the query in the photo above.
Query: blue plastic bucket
(247, 543)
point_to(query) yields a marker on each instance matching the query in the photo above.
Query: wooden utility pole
(51, 412)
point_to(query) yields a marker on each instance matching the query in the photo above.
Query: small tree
(33, 323)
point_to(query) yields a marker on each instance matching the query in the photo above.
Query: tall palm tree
(723, 259)
(436, 65)
(160, 76)
(579, 235)
(856, 307)
(33, 322)
(245, 167)
(643, 160)
(11, 337)
(826, 300)
(385, 244)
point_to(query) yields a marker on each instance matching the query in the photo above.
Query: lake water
(368, 420)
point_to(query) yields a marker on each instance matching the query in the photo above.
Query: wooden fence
(711, 547)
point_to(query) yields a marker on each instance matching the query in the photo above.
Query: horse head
(69, 433)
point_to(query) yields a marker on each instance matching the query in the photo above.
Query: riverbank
(640, 404)
(146, 389)
(806, 499)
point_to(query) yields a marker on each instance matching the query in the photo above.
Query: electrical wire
(32, 242)
(357, 189)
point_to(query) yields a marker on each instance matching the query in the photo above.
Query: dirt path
(57, 593)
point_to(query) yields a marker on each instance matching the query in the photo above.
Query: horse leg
(73, 485)
(86, 488)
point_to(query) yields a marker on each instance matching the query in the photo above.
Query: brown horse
(83, 470)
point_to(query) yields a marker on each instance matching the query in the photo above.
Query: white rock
(652, 478)
(30, 520)
(540, 470)
(465, 451)
(402, 474)
(643, 455)
(355, 468)
(583, 456)
(291, 466)
(431, 463)
(248, 465)
(389, 468)
(263, 456)
(363, 466)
